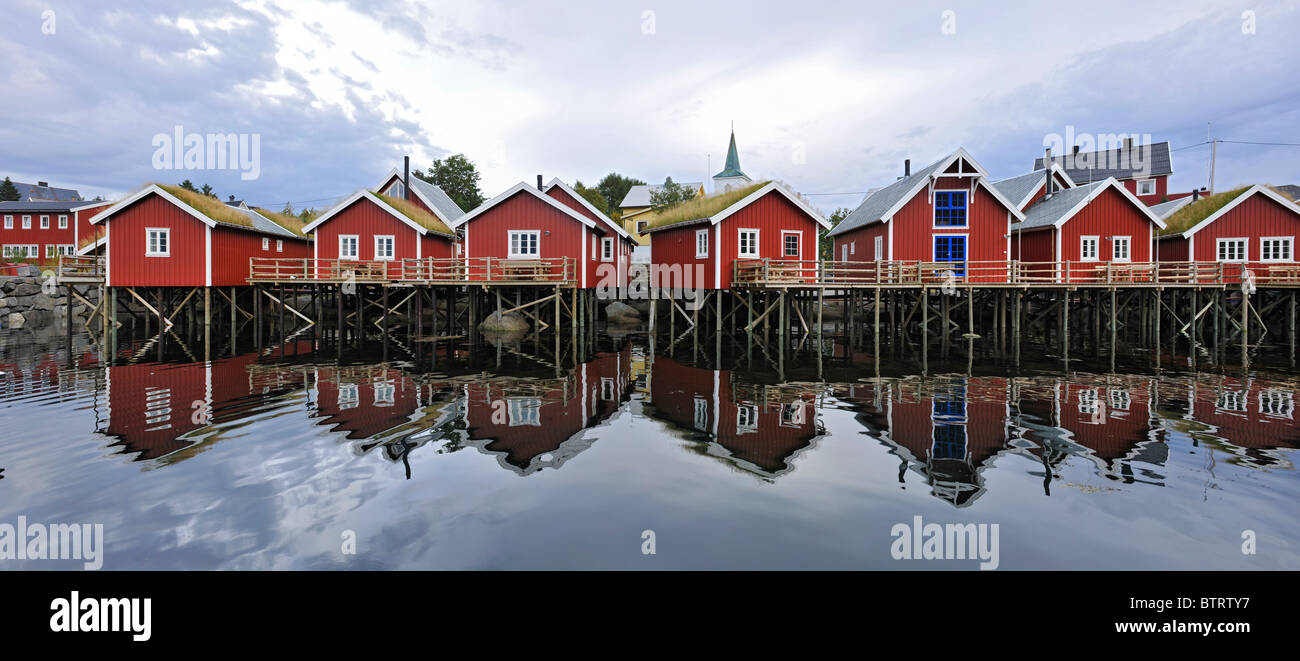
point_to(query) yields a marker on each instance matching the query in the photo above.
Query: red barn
(164, 236)
(524, 223)
(373, 227)
(43, 230)
(611, 250)
(1093, 227)
(1256, 228)
(769, 223)
(948, 211)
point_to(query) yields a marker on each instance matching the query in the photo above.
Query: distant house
(238, 204)
(43, 230)
(42, 191)
(636, 212)
(1251, 225)
(1143, 169)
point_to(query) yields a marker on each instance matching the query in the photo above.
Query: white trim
(427, 202)
(891, 241)
(1096, 248)
(44, 221)
(607, 240)
(166, 233)
(1042, 178)
(1245, 248)
(26, 222)
(924, 182)
(63, 221)
(878, 246)
(705, 233)
(717, 258)
(1290, 249)
(798, 238)
(419, 246)
(510, 248)
(392, 242)
(1268, 192)
(146, 191)
(1138, 185)
(772, 186)
(582, 263)
(758, 249)
(583, 201)
(373, 198)
(9, 221)
(1100, 187)
(1128, 242)
(934, 208)
(207, 254)
(531, 190)
(356, 241)
(108, 259)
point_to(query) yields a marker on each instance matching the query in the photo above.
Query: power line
(1269, 144)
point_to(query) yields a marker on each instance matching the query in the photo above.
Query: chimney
(1128, 143)
(539, 182)
(406, 177)
(1196, 195)
(907, 167)
(1076, 150)
(43, 184)
(1047, 168)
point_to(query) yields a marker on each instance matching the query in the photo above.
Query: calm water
(497, 459)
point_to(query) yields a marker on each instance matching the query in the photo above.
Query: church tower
(731, 177)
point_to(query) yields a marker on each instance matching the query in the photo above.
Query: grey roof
(46, 205)
(1134, 162)
(1047, 211)
(236, 203)
(1290, 190)
(1019, 187)
(878, 203)
(444, 205)
(639, 196)
(260, 224)
(32, 192)
(1164, 209)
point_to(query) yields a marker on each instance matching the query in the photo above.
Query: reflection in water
(963, 437)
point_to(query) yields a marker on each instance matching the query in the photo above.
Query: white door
(844, 253)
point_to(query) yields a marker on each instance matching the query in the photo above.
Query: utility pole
(1214, 151)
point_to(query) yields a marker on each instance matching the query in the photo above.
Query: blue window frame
(949, 442)
(949, 417)
(951, 249)
(950, 208)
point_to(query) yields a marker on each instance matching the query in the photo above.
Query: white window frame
(880, 248)
(279, 245)
(607, 391)
(349, 396)
(51, 250)
(798, 244)
(27, 221)
(746, 419)
(701, 244)
(510, 245)
(1120, 399)
(740, 243)
(45, 221)
(606, 248)
(392, 247)
(1288, 241)
(844, 252)
(63, 221)
(524, 411)
(1128, 248)
(34, 251)
(1083, 248)
(266, 243)
(641, 226)
(1220, 243)
(701, 413)
(595, 247)
(9, 221)
(164, 232)
(1230, 400)
(356, 246)
(853, 247)
(1144, 182)
(1277, 403)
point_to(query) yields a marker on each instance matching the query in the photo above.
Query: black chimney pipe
(406, 177)
(1047, 167)
(539, 182)
(1196, 195)
(907, 167)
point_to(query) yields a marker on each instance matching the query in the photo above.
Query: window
(347, 246)
(396, 190)
(348, 396)
(9, 222)
(157, 242)
(385, 392)
(68, 249)
(1146, 187)
(607, 249)
(748, 245)
(157, 408)
(51, 250)
(853, 247)
(1120, 248)
(1231, 250)
(63, 221)
(790, 244)
(640, 226)
(701, 414)
(279, 245)
(27, 222)
(607, 389)
(1230, 400)
(951, 248)
(33, 251)
(595, 247)
(1276, 403)
(701, 243)
(950, 208)
(1120, 400)
(844, 252)
(523, 243)
(1275, 248)
(1088, 248)
(524, 411)
(880, 248)
(45, 222)
(792, 414)
(746, 418)
(383, 247)
(1088, 404)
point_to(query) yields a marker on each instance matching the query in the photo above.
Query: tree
(670, 195)
(593, 196)
(827, 244)
(232, 199)
(458, 178)
(307, 215)
(288, 209)
(207, 191)
(189, 185)
(9, 192)
(614, 188)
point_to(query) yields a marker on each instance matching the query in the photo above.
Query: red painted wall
(862, 244)
(1162, 190)
(187, 264)
(1109, 214)
(1255, 217)
(676, 246)
(1173, 249)
(488, 234)
(231, 249)
(771, 215)
(37, 236)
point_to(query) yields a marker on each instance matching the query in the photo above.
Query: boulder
(622, 314)
(511, 322)
(42, 302)
(16, 320)
(26, 289)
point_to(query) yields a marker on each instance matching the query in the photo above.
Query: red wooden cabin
(1244, 417)
(1102, 230)
(1256, 230)
(377, 232)
(43, 230)
(364, 402)
(771, 224)
(611, 249)
(948, 211)
(423, 194)
(1142, 169)
(160, 237)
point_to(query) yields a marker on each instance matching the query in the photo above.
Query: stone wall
(27, 301)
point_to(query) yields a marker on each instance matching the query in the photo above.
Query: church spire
(732, 167)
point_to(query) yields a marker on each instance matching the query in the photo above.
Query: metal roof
(639, 196)
(1129, 162)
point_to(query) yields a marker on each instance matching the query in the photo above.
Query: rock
(16, 320)
(28, 271)
(26, 289)
(42, 302)
(642, 306)
(504, 338)
(37, 318)
(507, 323)
(622, 314)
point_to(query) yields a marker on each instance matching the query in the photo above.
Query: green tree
(614, 188)
(288, 209)
(827, 250)
(593, 196)
(458, 178)
(189, 185)
(9, 192)
(232, 199)
(207, 191)
(670, 195)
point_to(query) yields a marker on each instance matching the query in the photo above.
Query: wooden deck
(74, 269)
(487, 271)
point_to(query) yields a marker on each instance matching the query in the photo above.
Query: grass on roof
(701, 207)
(416, 214)
(209, 206)
(1187, 217)
(292, 223)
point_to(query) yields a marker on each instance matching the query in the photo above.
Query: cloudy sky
(829, 97)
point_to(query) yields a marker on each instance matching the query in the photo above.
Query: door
(951, 248)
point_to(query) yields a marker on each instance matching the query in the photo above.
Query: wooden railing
(77, 268)
(440, 270)
(307, 269)
(777, 272)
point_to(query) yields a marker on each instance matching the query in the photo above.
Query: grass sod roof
(701, 207)
(416, 214)
(1187, 217)
(209, 206)
(292, 223)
